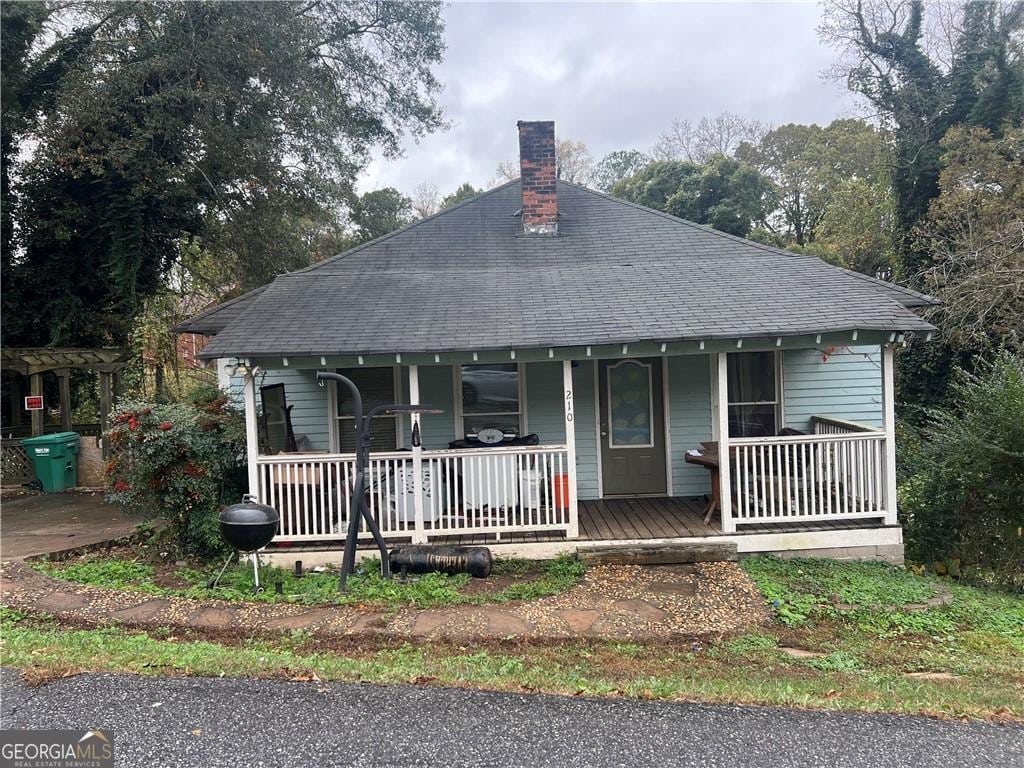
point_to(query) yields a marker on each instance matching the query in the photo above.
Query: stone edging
(587, 612)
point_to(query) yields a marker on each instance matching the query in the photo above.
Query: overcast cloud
(612, 75)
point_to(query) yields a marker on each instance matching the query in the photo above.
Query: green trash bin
(55, 459)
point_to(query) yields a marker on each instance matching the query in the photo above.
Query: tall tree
(655, 183)
(426, 199)
(921, 94)
(974, 233)
(618, 165)
(574, 161)
(857, 228)
(724, 193)
(230, 126)
(809, 164)
(718, 135)
(463, 193)
(507, 170)
(380, 211)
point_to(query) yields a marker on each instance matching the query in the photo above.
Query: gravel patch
(615, 602)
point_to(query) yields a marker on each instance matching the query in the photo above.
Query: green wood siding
(587, 470)
(545, 413)
(689, 386)
(848, 385)
(436, 429)
(309, 414)
(546, 416)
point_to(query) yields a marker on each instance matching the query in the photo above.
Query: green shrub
(962, 496)
(180, 462)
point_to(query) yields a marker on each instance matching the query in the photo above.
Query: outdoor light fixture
(360, 509)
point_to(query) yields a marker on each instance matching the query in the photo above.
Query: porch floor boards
(644, 518)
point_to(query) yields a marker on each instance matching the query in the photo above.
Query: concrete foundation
(889, 553)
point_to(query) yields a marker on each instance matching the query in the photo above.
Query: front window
(753, 394)
(377, 387)
(490, 398)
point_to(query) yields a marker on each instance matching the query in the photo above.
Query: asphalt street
(218, 722)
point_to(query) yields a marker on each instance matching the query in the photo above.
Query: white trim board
(666, 408)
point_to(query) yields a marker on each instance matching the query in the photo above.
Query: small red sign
(34, 403)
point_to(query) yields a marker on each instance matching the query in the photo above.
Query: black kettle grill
(247, 527)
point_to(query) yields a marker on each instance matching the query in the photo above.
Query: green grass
(113, 573)
(877, 598)
(865, 652)
(727, 671)
(365, 587)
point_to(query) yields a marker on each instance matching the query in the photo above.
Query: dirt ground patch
(51, 523)
(645, 604)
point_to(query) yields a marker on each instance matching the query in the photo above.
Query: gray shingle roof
(216, 318)
(468, 279)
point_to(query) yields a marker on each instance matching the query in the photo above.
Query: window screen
(490, 397)
(377, 387)
(753, 394)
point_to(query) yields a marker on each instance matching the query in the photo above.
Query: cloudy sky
(612, 75)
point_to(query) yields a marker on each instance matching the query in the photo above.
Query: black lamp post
(360, 509)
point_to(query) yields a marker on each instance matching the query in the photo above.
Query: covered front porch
(826, 473)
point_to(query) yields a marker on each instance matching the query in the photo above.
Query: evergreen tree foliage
(237, 128)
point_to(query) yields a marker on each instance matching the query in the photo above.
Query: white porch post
(570, 444)
(419, 535)
(721, 413)
(889, 424)
(251, 432)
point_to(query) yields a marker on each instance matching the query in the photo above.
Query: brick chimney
(537, 171)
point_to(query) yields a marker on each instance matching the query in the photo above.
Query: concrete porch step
(658, 554)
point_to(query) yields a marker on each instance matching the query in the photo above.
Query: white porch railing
(836, 475)
(828, 425)
(481, 490)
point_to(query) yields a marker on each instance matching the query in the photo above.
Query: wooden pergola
(34, 362)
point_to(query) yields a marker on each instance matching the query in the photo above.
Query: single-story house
(593, 359)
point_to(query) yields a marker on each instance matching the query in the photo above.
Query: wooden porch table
(708, 459)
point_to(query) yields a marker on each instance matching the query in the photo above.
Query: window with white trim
(491, 397)
(378, 386)
(754, 394)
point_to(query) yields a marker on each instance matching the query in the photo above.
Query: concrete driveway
(55, 522)
(208, 722)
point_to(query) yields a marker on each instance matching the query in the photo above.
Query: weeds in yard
(856, 616)
(880, 599)
(365, 587)
(44, 650)
(105, 572)
(512, 566)
(752, 643)
(837, 661)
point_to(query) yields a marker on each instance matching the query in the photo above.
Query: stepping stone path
(615, 602)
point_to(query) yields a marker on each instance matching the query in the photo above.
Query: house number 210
(568, 405)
